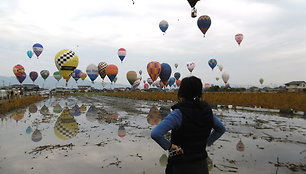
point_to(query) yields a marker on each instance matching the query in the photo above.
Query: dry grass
(16, 102)
(295, 101)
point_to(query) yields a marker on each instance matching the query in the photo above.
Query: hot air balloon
(76, 75)
(44, 74)
(192, 4)
(75, 110)
(36, 136)
(38, 49)
(190, 66)
(83, 76)
(177, 75)
(101, 69)
(140, 72)
(146, 86)
(21, 77)
(111, 72)
(165, 72)
(175, 65)
(217, 78)
(261, 80)
(163, 25)
(150, 81)
(57, 75)
(136, 83)
(212, 63)
(121, 131)
(239, 38)
(154, 69)
(18, 70)
(30, 53)
(178, 83)
(66, 61)
(171, 81)
(121, 53)
(131, 77)
(220, 67)
(204, 23)
(66, 126)
(225, 77)
(92, 72)
(33, 75)
(33, 108)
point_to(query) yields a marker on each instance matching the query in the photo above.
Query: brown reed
(18, 102)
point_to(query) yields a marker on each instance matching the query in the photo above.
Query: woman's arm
(218, 131)
(171, 121)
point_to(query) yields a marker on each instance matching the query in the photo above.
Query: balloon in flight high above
(190, 66)
(176, 65)
(212, 63)
(131, 77)
(165, 73)
(239, 38)
(154, 69)
(57, 75)
(225, 77)
(18, 70)
(111, 72)
(220, 67)
(261, 80)
(66, 61)
(30, 53)
(101, 68)
(192, 4)
(33, 75)
(177, 75)
(38, 49)
(140, 72)
(121, 53)
(204, 23)
(92, 72)
(44, 74)
(163, 25)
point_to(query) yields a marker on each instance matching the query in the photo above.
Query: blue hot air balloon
(204, 23)
(171, 81)
(92, 72)
(163, 25)
(30, 53)
(165, 72)
(38, 49)
(212, 63)
(177, 75)
(76, 75)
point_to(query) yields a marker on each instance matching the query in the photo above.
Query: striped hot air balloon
(154, 69)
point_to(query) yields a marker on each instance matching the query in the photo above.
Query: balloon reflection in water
(18, 115)
(33, 108)
(66, 126)
(36, 136)
(75, 111)
(164, 111)
(92, 113)
(121, 131)
(83, 109)
(240, 146)
(44, 110)
(163, 160)
(29, 130)
(57, 108)
(154, 117)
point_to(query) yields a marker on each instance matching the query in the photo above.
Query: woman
(190, 122)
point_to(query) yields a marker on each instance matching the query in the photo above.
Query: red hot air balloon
(154, 69)
(121, 53)
(111, 72)
(239, 38)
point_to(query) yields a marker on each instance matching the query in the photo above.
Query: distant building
(84, 88)
(296, 86)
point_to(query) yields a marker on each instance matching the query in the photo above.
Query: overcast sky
(274, 45)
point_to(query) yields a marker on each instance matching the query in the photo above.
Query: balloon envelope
(36, 136)
(30, 53)
(192, 3)
(204, 23)
(83, 75)
(225, 77)
(101, 69)
(165, 72)
(121, 53)
(44, 74)
(190, 66)
(239, 38)
(22, 77)
(18, 70)
(92, 72)
(57, 75)
(171, 81)
(111, 72)
(131, 77)
(33, 75)
(163, 25)
(76, 75)
(66, 61)
(212, 63)
(220, 67)
(261, 80)
(38, 48)
(154, 69)
(177, 75)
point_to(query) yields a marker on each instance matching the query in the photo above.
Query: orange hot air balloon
(111, 72)
(154, 69)
(178, 83)
(18, 70)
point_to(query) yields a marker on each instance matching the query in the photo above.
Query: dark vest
(192, 135)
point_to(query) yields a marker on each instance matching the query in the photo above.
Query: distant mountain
(51, 83)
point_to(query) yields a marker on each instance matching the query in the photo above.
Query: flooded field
(98, 134)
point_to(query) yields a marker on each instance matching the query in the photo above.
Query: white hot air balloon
(190, 66)
(225, 77)
(220, 67)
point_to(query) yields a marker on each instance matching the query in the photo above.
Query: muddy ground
(98, 134)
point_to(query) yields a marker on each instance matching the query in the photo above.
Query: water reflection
(83, 109)
(164, 111)
(92, 114)
(18, 115)
(66, 126)
(154, 117)
(44, 110)
(121, 131)
(33, 108)
(29, 130)
(75, 110)
(36, 136)
(57, 108)
(163, 160)
(240, 146)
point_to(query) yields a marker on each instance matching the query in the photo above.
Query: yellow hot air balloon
(66, 126)
(66, 61)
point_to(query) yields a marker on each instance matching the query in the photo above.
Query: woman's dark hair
(190, 89)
